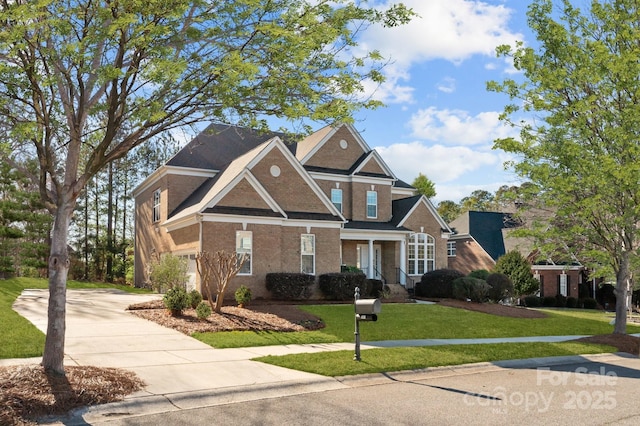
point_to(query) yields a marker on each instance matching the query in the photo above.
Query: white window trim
(250, 252)
(375, 205)
(302, 253)
(155, 209)
(412, 254)
(337, 191)
(451, 249)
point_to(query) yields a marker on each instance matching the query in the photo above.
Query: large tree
(83, 82)
(579, 142)
(424, 185)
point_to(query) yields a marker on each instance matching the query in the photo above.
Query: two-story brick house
(311, 206)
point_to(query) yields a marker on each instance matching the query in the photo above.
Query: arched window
(422, 254)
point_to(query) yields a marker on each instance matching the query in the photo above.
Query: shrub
(176, 300)
(469, 288)
(203, 310)
(350, 268)
(437, 283)
(501, 287)
(515, 266)
(339, 286)
(532, 301)
(168, 272)
(194, 298)
(290, 286)
(561, 301)
(480, 274)
(572, 302)
(549, 301)
(589, 303)
(243, 295)
(375, 288)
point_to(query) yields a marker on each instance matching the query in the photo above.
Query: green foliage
(561, 301)
(339, 286)
(437, 283)
(589, 303)
(290, 285)
(243, 295)
(203, 310)
(194, 298)
(532, 301)
(424, 185)
(449, 210)
(580, 83)
(375, 288)
(549, 301)
(479, 200)
(168, 272)
(351, 268)
(501, 287)
(469, 288)
(517, 268)
(176, 300)
(481, 274)
(572, 302)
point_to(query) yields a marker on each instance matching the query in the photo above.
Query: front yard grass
(18, 337)
(420, 321)
(341, 363)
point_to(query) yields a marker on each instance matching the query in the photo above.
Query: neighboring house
(311, 206)
(480, 238)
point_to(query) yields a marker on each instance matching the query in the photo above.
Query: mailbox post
(366, 310)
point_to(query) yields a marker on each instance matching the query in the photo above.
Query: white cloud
(439, 163)
(447, 85)
(457, 127)
(452, 30)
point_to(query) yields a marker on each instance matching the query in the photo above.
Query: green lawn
(18, 337)
(341, 363)
(420, 321)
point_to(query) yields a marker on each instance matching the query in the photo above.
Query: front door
(363, 260)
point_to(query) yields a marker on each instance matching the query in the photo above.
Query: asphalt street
(587, 393)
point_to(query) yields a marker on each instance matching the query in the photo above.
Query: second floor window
(336, 198)
(372, 204)
(156, 206)
(244, 248)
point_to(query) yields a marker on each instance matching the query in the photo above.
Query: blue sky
(439, 120)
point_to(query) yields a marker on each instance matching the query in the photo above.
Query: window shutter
(568, 285)
(558, 278)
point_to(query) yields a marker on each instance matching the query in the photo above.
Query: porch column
(371, 260)
(403, 262)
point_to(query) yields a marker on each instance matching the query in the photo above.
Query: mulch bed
(27, 392)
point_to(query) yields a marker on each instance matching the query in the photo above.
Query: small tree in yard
(216, 270)
(516, 267)
(168, 272)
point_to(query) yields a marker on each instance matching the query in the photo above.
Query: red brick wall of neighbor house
(422, 218)
(470, 257)
(243, 195)
(302, 199)
(549, 285)
(328, 185)
(275, 249)
(331, 154)
(359, 202)
(178, 189)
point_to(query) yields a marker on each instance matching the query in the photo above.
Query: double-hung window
(156, 206)
(421, 254)
(244, 249)
(451, 248)
(336, 198)
(372, 204)
(308, 254)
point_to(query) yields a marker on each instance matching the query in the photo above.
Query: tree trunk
(53, 357)
(622, 282)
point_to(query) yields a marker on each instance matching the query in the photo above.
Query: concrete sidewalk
(181, 372)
